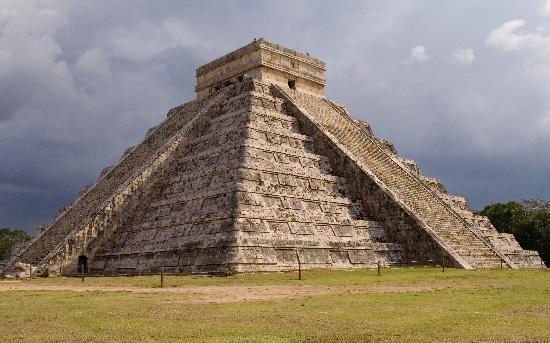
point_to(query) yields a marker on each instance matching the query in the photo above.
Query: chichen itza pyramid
(259, 172)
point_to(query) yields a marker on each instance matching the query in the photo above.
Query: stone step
(411, 190)
(266, 119)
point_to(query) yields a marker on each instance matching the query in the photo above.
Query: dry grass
(418, 305)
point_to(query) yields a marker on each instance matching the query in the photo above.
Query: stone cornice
(254, 46)
(298, 73)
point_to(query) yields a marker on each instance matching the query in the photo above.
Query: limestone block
(343, 230)
(301, 228)
(122, 263)
(24, 270)
(315, 256)
(368, 257)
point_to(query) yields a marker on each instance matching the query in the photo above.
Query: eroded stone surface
(261, 174)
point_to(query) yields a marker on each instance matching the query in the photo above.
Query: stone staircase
(97, 212)
(504, 243)
(248, 192)
(451, 230)
(288, 180)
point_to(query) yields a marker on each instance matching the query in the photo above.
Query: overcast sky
(461, 86)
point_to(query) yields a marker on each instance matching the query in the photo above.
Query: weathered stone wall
(432, 213)
(271, 75)
(184, 227)
(400, 227)
(87, 238)
(504, 243)
(301, 208)
(88, 202)
(247, 193)
(264, 61)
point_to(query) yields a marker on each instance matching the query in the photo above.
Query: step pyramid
(263, 173)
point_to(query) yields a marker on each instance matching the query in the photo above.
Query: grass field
(402, 305)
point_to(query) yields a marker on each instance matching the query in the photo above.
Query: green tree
(506, 217)
(9, 238)
(528, 221)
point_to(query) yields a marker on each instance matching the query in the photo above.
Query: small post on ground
(501, 265)
(162, 277)
(443, 263)
(82, 272)
(378, 263)
(299, 266)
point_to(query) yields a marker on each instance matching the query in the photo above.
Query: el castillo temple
(259, 173)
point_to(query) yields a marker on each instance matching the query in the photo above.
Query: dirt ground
(225, 294)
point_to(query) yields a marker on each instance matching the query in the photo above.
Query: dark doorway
(292, 84)
(82, 264)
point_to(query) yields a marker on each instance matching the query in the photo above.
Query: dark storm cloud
(81, 81)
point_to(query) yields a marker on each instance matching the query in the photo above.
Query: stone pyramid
(259, 173)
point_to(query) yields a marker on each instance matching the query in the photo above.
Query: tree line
(8, 239)
(528, 221)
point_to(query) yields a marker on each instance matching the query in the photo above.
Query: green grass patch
(390, 276)
(469, 306)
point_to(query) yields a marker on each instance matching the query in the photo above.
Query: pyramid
(261, 173)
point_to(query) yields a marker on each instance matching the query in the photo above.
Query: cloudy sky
(461, 86)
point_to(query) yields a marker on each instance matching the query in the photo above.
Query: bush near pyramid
(259, 173)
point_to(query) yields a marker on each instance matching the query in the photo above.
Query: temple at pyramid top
(264, 61)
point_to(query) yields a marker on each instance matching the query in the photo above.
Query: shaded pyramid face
(262, 173)
(247, 193)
